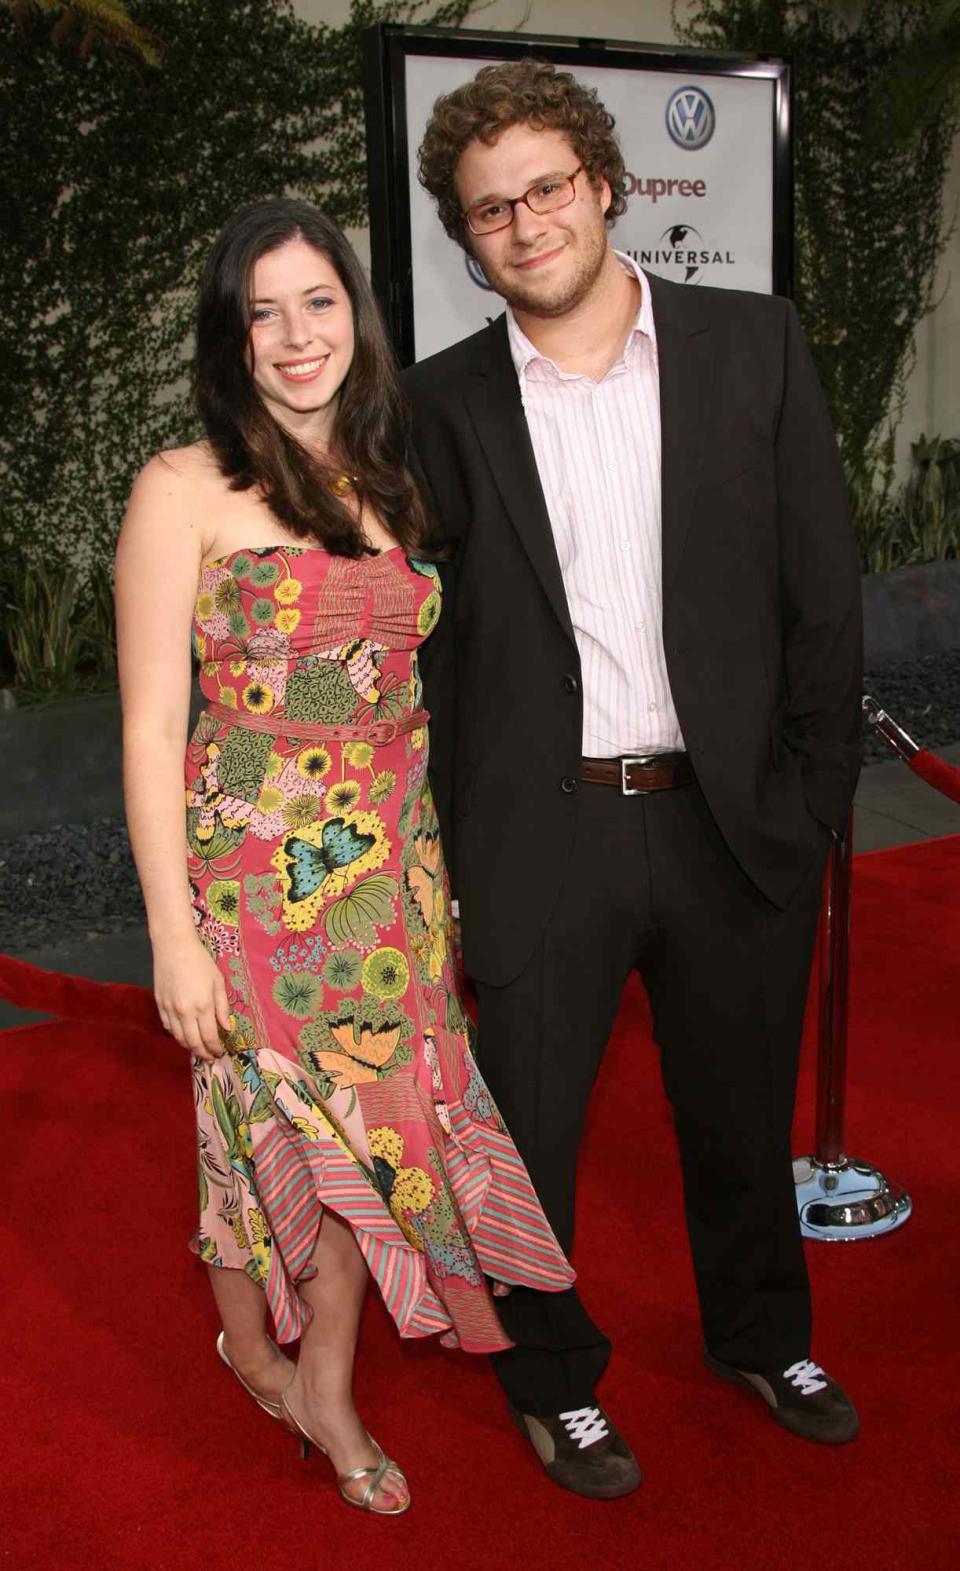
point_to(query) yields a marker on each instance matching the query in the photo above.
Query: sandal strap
(273, 1408)
(357, 1473)
(378, 1472)
(370, 1493)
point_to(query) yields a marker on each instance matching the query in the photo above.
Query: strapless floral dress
(318, 886)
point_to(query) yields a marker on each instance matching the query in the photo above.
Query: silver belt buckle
(643, 758)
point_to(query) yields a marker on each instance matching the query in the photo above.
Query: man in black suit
(645, 692)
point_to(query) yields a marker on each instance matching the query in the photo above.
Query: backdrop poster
(699, 155)
(705, 140)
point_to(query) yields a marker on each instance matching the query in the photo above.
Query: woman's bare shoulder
(180, 489)
(183, 469)
(176, 498)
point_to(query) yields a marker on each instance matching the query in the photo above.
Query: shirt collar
(524, 354)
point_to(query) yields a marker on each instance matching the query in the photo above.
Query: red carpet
(126, 1445)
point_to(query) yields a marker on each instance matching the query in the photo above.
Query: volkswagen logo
(476, 273)
(691, 118)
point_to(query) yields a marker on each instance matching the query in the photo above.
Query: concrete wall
(933, 390)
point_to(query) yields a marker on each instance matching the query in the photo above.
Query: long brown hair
(370, 430)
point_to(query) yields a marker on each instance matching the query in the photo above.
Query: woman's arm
(158, 560)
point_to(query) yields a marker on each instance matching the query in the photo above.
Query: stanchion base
(843, 1201)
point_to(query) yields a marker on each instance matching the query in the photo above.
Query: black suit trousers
(651, 885)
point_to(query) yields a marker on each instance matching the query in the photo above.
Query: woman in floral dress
(302, 945)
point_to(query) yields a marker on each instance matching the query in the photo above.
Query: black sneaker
(582, 1451)
(802, 1399)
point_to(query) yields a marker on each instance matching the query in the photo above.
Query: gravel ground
(78, 881)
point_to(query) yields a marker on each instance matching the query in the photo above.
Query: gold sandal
(376, 1474)
(273, 1408)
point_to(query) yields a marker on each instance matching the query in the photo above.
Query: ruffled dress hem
(297, 1163)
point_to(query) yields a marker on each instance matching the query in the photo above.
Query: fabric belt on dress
(637, 775)
(277, 723)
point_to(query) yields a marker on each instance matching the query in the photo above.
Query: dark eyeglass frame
(513, 203)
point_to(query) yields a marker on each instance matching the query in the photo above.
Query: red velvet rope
(119, 1005)
(937, 773)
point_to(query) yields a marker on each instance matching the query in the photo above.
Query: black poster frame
(385, 49)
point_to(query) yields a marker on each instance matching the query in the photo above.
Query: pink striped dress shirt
(597, 447)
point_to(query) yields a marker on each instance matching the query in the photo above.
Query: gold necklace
(343, 484)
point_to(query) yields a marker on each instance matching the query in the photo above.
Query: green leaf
(261, 1108)
(354, 917)
(221, 1111)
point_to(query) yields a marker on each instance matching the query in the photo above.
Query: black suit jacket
(761, 612)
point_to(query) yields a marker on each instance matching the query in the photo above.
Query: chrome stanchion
(901, 743)
(840, 1198)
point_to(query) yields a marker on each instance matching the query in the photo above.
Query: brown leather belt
(635, 776)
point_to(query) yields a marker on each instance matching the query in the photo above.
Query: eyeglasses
(547, 196)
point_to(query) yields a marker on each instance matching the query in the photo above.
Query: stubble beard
(551, 301)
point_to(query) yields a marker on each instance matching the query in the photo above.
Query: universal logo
(691, 118)
(683, 254)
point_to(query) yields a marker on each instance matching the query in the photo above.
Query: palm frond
(108, 20)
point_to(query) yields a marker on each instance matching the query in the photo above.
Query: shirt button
(652, 706)
(624, 545)
(568, 785)
(641, 627)
(570, 684)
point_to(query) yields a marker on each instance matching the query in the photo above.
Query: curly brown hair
(518, 92)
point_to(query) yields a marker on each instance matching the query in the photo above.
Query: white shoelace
(584, 1425)
(804, 1377)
